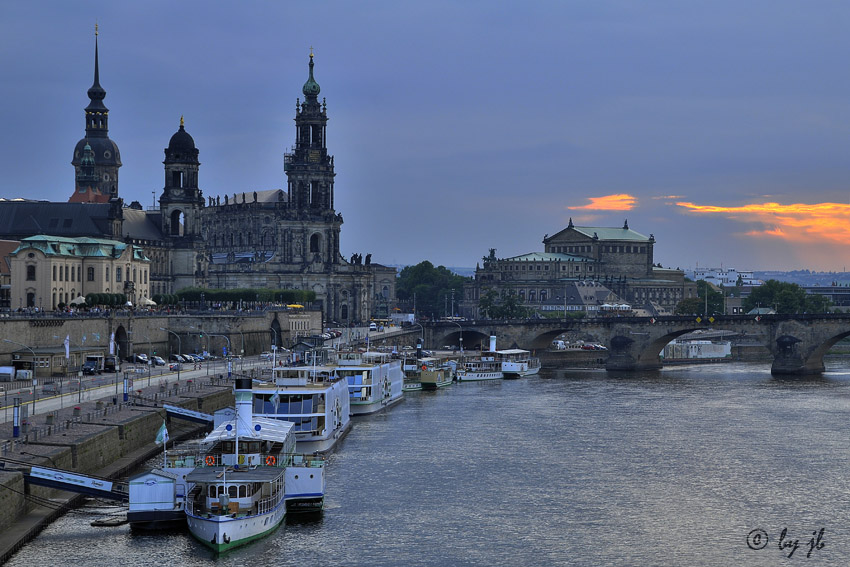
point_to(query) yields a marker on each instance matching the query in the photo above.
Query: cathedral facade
(262, 239)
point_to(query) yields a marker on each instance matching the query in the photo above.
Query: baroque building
(271, 239)
(582, 268)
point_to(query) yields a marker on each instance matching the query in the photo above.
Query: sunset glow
(798, 222)
(620, 202)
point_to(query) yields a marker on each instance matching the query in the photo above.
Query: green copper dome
(311, 87)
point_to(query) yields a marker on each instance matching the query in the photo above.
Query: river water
(677, 467)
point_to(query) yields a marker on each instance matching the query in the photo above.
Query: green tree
(785, 297)
(431, 287)
(696, 305)
(509, 306)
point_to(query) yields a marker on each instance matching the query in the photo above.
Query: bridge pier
(785, 365)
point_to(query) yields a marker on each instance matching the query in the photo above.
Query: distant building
(272, 239)
(49, 270)
(726, 277)
(600, 264)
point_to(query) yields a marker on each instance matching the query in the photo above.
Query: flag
(162, 434)
(276, 400)
(112, 343)
(67, 343)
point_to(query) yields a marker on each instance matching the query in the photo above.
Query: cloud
(827, 223)
(620, 202)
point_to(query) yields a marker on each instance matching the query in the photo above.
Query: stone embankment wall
(107, 441)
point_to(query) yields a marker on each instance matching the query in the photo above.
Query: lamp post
(34, 377)
(179, 348)
(421, 328)
(461, 338)
(274, 347)
(150, 357)
(229, 364)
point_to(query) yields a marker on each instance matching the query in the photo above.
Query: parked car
(177, 358)
(91, 368)
(157, 361)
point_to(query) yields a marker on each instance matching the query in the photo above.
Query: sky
(721, 128)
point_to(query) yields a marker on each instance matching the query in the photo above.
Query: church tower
(180, 206)
(310, 178)
(96, 157)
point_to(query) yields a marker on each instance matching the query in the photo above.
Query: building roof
(22, 218)
(607, 233)
(82, 247)
(141, 225)
(547, 257)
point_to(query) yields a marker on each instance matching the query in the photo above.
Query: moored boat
(314, 398)
(238, 490)
(433, 373)
(517, 362)
(375, 380)
(484, 367)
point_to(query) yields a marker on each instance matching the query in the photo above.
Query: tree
(696, 305)
(430, 286)
(785, 297)
(492, 306)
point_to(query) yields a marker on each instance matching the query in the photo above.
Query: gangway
(75, 482)
(189, 415)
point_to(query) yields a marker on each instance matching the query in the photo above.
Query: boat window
(243, 491)
(212, 491)
(232, 491)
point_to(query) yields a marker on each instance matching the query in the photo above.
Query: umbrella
(129, 304)
(80, 300)
(148, 302)
(295, 306)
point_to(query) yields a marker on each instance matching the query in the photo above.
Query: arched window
(177, 220)
(314, 244)
(30, 273)
(343, 313)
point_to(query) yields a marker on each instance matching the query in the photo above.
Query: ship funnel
(244, 407)
(419, 347)
(492, 343)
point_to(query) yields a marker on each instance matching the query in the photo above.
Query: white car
(265, 356)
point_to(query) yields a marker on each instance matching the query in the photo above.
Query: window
(67, 273)
(30, 273)
(90, 274)
(117, 274)
(54, 273)
(107, 273)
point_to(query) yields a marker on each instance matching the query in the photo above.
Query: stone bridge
(797, 342)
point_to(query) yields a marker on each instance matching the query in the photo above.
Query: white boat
(239, 488)
(484, 367)
(374, 379)
(517, 362)
(314, 398)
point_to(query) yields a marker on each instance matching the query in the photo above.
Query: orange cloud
(621, 202)
(798, 222)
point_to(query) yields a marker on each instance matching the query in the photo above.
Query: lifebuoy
(270, 461)
(424, 367)
(209, 460)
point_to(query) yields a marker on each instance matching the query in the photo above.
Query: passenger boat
(314, 398)
(239, 487)
(374, 379)
(484, 367)
(517, 362)
(433, 373)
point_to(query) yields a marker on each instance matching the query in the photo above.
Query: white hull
(224, 532)
(374, 381)
(464, 376)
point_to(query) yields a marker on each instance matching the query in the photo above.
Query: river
(696, 465)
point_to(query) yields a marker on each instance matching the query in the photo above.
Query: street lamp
(421, 328)
(461, 338)
(229, 349)
(34, 377)
(179, 348)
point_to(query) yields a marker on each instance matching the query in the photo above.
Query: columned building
(582, 268)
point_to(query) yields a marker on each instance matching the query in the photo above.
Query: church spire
(96, 111)
(311, 88)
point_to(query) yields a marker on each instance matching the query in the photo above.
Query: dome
(181, 141)
(105, 151)
(311, 87)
